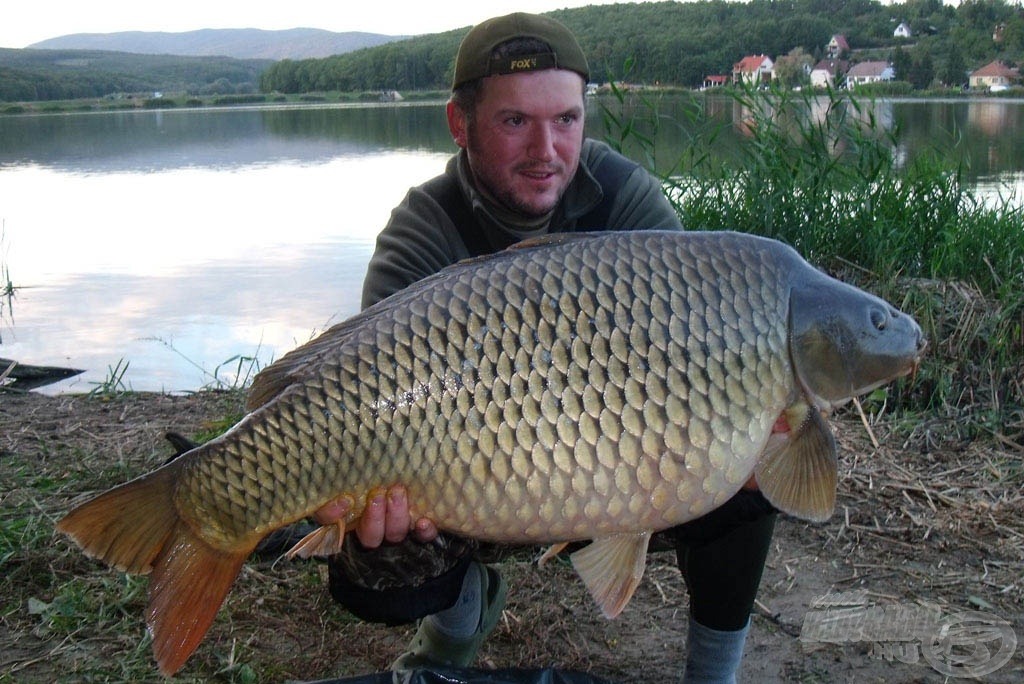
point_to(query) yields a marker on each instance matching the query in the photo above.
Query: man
(524, 170)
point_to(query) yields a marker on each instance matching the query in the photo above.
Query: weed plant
(6, 290)
(817, 170)
(113, 383)
(244, 367)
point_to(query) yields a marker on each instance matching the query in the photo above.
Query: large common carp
(578, 387)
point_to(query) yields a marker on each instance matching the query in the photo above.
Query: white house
(869, 72)
(828, 72)
(902, 31)
(837, 46)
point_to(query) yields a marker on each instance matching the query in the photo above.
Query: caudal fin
(136, 528)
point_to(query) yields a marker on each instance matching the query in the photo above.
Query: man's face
(523, 144)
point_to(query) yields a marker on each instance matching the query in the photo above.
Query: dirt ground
(926, 534)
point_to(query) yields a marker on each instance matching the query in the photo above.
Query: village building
(902, 31)
(994, 76)
(828, 73)
(837, 47)
(869, 72)
(753, 70)
(715, 81)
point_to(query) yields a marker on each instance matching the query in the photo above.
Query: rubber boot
(712, 656)
(432, 647)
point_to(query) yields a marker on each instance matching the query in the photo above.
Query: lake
(176, 241)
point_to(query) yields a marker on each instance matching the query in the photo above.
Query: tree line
(682, 43)
(33, 75)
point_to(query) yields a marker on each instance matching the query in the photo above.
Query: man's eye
(514, 121)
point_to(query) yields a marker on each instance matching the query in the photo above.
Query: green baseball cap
(475, 61)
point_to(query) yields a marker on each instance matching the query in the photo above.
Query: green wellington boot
(431, 647)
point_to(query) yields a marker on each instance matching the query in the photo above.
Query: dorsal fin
(276, 377)
(552, 239)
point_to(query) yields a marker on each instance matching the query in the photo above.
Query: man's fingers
(370, 529)
(387, 518)
(425, 531)
(397, 521)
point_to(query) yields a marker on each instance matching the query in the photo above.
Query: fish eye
(879, 319)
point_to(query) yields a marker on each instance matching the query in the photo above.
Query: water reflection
(147, 141)
(166, 325)
(182, 267)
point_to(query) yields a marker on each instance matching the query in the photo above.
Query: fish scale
(580, 387)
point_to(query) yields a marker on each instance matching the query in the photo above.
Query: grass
(113, 383)
(239, 370)
(87, 617)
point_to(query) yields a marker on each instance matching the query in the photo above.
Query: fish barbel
(577, 387)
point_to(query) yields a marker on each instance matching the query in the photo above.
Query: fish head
(845, 342)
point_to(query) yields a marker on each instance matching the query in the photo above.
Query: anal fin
(798, 471)
(551, 553)
(325, 540)
(611, 568)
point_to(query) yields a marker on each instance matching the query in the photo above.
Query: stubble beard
(504, 194)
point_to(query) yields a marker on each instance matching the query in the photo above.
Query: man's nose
(542, 143)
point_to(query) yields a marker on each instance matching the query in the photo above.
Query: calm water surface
(176, 240)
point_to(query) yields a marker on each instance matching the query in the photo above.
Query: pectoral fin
(611, 569)
(798, 471)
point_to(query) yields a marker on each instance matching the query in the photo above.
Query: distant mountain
(297, 43)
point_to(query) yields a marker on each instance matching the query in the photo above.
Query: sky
(33, 22)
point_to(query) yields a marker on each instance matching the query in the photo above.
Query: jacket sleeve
(418, 241)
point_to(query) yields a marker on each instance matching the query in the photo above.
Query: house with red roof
(837, 46)
(753, 70)
(994, 75)
(715, 80)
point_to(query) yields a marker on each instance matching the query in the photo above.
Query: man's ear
(456, 123)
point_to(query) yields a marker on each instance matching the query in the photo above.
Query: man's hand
(385, 518)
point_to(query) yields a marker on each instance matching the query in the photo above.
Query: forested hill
(672, 43)
(298, 43)
(682, 42)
